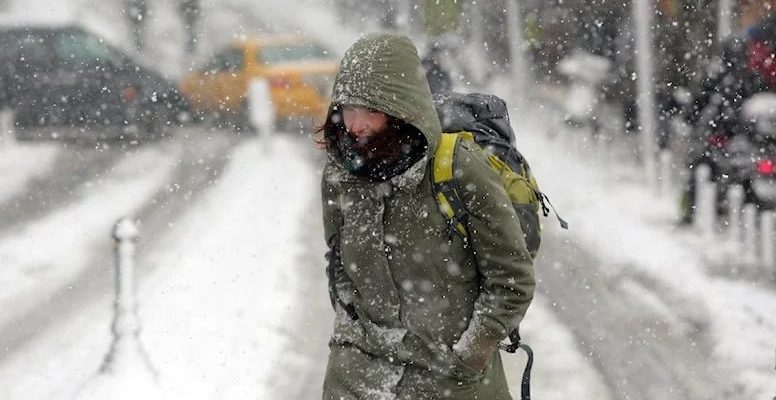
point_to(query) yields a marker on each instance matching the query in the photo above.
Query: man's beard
(384, 154)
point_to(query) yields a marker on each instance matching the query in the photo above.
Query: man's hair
(396, 148)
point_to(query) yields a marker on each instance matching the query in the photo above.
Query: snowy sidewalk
(613, 215)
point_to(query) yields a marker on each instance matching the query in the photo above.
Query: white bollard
(766, 240)
(665, 174)
(705, 200)
(735, 199)
(125, 322)
(6, 127)
(568, 135)
(750, 235)
(261, 110)
(601, 148)
(126, 372)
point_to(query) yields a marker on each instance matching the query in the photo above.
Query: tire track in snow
(74, 167)
(641, 347)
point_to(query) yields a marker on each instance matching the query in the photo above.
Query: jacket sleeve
(340, 287)
(503, 261)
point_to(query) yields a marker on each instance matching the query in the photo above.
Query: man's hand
(476, 350)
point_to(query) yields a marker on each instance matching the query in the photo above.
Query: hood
(383, 71)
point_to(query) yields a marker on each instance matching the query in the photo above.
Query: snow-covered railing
(706, 201)
(750, 233)
(735, 201)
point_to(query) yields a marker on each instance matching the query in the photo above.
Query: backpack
(483, 119)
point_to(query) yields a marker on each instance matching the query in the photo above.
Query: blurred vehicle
(300, 74)
(65, 82)
(721, 138)
(586, 73)
(759, 177)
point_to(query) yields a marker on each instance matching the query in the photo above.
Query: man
(189, 10)
(761, 48)
(137, 12)
(438, 78)
(419, 312)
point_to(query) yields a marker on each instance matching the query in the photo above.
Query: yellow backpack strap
(446, 187)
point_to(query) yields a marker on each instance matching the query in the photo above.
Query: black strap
(542, 198)
(525, 385)
(333, 257)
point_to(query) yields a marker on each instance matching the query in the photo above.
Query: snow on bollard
(766, 239)
(735, 197)
(261, 110)
(126, 372)
(750, 235)
(705, 200)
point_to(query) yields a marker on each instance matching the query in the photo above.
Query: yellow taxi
(299, 71)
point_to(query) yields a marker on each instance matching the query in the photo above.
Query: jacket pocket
(466, 370)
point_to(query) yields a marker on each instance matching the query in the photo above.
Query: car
(299, 72)
(65, 82)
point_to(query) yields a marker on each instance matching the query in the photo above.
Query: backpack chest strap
(446, 186)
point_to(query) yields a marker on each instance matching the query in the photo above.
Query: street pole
(724, 20)
(518, 69)
(403, 15)
(643, 12)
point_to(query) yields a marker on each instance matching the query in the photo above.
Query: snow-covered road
(233, 294)
(50, 252)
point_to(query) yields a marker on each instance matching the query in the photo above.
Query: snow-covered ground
(43, 254)
(215, 316)
(222, 307)
(17, 167)
(666, 267)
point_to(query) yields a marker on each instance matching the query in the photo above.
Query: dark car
(66, 82)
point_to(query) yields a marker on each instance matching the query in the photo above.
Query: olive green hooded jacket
(418, 292)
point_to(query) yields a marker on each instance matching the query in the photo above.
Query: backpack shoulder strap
(446, 186)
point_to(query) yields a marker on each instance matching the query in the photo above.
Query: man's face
(363, 123)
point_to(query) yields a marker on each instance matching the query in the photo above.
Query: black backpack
(483, 119)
